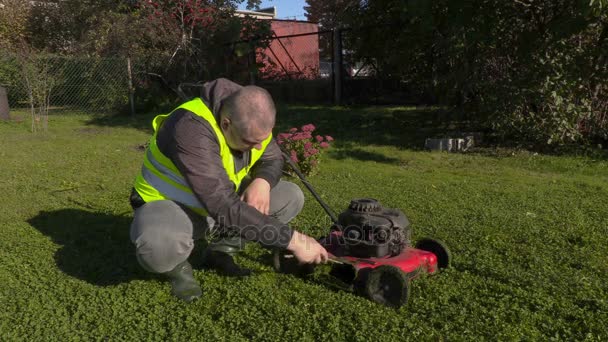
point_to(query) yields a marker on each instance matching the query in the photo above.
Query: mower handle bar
(295, 168)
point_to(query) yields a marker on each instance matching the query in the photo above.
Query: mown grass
(528, 233)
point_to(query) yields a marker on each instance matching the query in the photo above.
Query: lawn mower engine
(368, 230)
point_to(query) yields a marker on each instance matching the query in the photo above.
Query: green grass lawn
(528, 234)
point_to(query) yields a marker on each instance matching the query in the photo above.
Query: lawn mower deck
(411, 260)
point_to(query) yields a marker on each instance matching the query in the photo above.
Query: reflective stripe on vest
(171, 192)
(160, 179)
(176, 177)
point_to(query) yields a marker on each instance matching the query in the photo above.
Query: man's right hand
(306, 249)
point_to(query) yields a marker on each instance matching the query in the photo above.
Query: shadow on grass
(141, 122)
(404, 127)
(362, 155)
(330, 276)
(95, 246)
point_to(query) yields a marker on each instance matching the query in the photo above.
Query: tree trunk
(4, 109)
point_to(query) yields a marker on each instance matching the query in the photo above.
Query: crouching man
(213, 170)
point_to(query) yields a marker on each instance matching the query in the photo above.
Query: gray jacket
(191, 144)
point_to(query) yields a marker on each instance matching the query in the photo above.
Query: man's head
(247, 118)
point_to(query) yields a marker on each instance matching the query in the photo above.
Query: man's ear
(225, 123)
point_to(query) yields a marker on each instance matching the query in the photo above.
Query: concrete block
(446, 144)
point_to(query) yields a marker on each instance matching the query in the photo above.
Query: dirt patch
(140, 147)
(91, 130)
(16, 119)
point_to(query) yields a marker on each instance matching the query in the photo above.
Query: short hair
(250, 107)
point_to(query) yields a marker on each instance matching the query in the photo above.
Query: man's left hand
(257, 195)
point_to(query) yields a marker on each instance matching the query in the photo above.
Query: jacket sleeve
(193, 147)
(270, 165)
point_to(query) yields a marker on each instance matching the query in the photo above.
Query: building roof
(263, 13)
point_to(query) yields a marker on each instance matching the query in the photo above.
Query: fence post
(131, 90)
(337, 69)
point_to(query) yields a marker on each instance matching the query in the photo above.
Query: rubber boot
(219, 255)
(183, 284)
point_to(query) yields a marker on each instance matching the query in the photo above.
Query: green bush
(534, 71)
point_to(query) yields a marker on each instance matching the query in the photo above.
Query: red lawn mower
(370, 250)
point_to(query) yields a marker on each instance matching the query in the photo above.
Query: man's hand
(257, 195)
(306, 249)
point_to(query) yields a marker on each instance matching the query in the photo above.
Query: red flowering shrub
(304, 148)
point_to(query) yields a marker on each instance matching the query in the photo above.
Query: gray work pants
(164, 231)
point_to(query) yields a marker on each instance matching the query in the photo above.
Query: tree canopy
(180, 39)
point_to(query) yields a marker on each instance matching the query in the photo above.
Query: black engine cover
(369, 230)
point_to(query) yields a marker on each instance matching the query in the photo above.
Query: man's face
(241, 141)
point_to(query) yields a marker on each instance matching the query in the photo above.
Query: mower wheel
(437, 247)
(387, 285)
(285, 262)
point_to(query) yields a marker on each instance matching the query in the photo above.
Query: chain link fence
(77, 84)
(296, 68)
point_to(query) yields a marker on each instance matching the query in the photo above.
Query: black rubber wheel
(285, 262)
(437, 247)
(387, 285)
(360, 281)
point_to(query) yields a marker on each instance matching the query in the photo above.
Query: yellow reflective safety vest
(161, 180)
